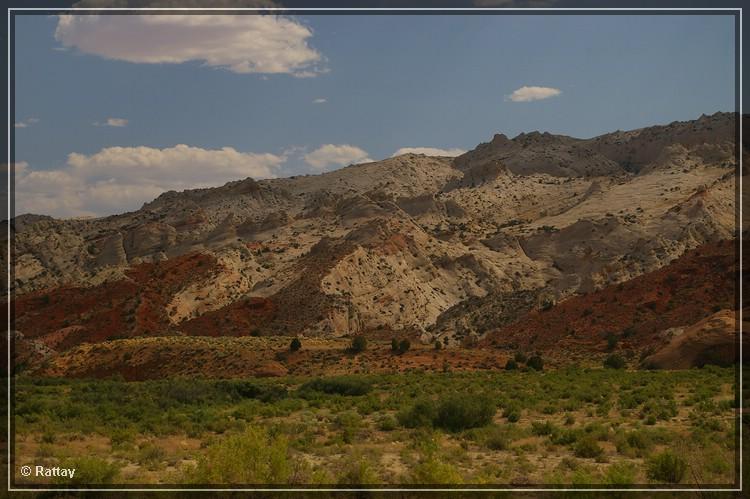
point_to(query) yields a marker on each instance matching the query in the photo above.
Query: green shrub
(339, 385)
(394, 345)
(564, 437)
(539, 428)
(295, 345)
(512, 413)
(496, 439)
(359, 344)
(90, 471)
(716, 463)
(638, 440)
(404, 346)
(421, 414)
(358, 471)
(434, 471)
(387, 423)
(611, 341)
(614, 361)
(511, 365)
(121, 437)
(622, 473)
(666, 467)
(243, 389)
(349, 422)
(150, 455)
(535, 363)
(462, 411)
(587, 447)
(249, 458)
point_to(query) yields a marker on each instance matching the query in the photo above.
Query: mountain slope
(429, 247)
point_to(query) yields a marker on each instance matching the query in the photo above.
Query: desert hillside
(450, 250)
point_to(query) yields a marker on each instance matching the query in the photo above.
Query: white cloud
(25, 123)
(118, 179)
(336, 155)
(113, 122)
(241, 43)
(428, 151)
(320, 101)
(528, 94)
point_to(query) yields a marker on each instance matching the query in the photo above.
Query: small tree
(404, 346)
(611, 341)
(666, 467)
(394, 345)
(295, 345)
(614, 361)
(359, 344)
(536, 363)
(511, 365)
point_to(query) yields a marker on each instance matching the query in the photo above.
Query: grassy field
(569, 426)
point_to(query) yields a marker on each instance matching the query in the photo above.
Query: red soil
(129, 307)
(241, 318)
(687, 290)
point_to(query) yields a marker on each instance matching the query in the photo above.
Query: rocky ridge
(439, 248)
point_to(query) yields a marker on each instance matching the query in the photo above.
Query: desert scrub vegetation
(249, 458)
(573, 426)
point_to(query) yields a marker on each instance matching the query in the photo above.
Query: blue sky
(389, 82)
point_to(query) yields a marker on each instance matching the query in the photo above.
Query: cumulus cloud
(528, 94)
(242, 44)
(118, 179)
(320, 101)
(25, 123)
(115, 122)
(429, 151)
(336, 155)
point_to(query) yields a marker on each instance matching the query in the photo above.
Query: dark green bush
(90, 470)
(612, 340)
(587, 448)
(359, 344)
(462, 411)
(496, 441)
(512, 413)
(244, 389)
(340, 385)
(614, 361)
(404, 346)
(564, 437)
(666, 467)
(536, 363)
(511, 365)
(542, 428)
(421, 414)
(295, 345)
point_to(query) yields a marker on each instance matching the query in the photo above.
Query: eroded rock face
(429, 245)
(148, 239)
(711, 341)
(111, 252)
